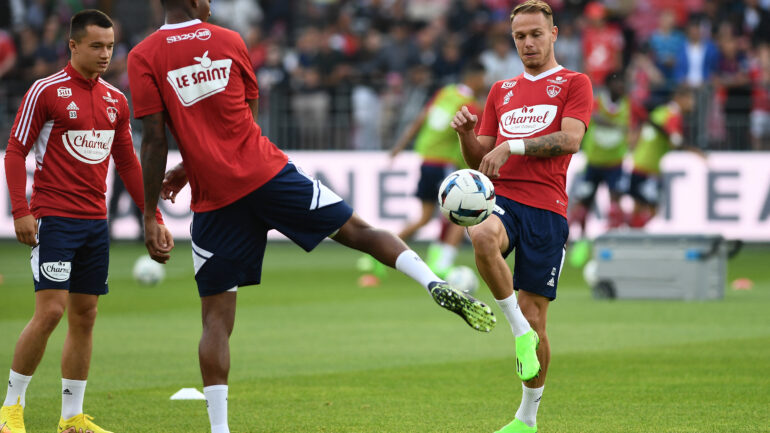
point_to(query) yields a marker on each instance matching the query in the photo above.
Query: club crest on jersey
(91, 147)
(507, 98)
(64, 92)
(508, 84)
(112, 113)
(552, 90)
(201, 80)
(527, 120)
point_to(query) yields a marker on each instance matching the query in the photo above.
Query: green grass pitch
(312, 352)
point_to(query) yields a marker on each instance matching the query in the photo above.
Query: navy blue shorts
(538, 237)
(431, 176)
(72, 254)
(593, 176)
(645, 187)
(229, 243)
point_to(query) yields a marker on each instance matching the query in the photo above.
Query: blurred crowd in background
(352, 74)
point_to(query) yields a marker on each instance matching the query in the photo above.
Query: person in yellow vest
(438, 145)
(605, 144)
(662, 131)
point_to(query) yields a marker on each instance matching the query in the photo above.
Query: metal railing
(358, 118)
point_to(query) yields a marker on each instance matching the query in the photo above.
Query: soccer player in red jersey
(73, 121)
(531, 126)
(197, 79)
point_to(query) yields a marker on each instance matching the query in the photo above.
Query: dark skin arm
(153, 157)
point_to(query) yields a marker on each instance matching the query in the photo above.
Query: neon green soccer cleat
(527, 364)
(579, 253)
(12, 418)
(80, 423)
(517, 426)
(477, 314)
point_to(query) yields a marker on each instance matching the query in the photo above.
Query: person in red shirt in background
(73, 121)
(760, 108)
(7, 52)
(602, 44)
(530, 127)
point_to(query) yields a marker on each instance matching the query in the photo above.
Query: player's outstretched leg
(392, 251)
(477, 314)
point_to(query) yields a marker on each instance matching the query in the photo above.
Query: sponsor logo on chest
(64, 92)
(508, 84)
(91, 147)
(199, 81)
(527, 120)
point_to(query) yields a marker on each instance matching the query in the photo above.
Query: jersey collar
(180, 25)
(551, 71)
(80, 79)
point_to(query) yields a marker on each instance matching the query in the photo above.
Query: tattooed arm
(153, 155)
(559, 143)
(564, 142)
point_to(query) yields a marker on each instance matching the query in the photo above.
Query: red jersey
(602, 51)
(526, 107)
(201, 75)
(73, 124)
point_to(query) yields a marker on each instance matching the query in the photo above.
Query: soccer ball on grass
(466, 197)
(463, 278)
(147, 271)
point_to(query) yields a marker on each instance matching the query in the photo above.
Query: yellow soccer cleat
(80, 423)
(12, 418)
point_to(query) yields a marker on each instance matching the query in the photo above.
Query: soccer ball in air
(463, 278)
(466, 197)
(147, 271)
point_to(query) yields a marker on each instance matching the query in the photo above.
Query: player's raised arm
(153, 154)
(473, 147)
(410, 133)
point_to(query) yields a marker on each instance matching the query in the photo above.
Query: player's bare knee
(485, 242)
(83, 318)
(48, 317)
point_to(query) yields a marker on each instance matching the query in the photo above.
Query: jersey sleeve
(126, 162)
(580, 101)
(673, 124)
(675, 129)
(244, 64)
(16, 177)
(32, 116)
(488, 123)
(145, 92)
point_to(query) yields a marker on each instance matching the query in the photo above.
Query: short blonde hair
(532, 7)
